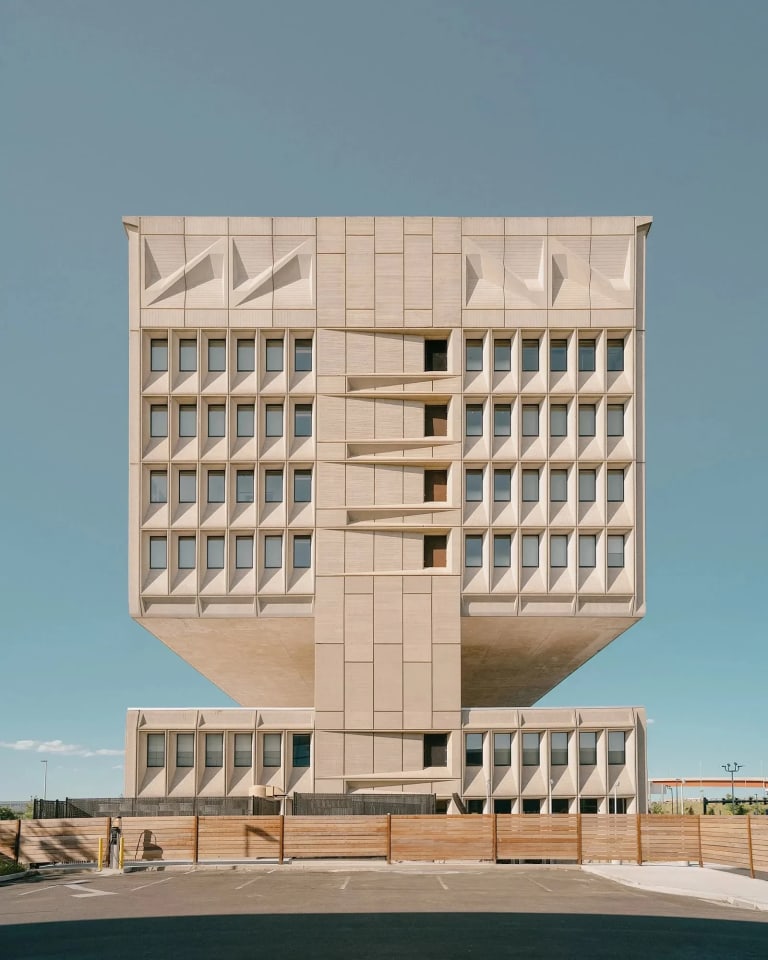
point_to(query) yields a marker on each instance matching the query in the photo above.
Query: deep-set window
(302, 420)
(217, 416)
(502, 420)
(473, 749)
(217, 356)
(216, 486)
(558, 420)
(155, 749)
(185, 749)
(615, 486)
(502, 485)
(558, 550)
(273, 355)
(158, 355)
(271, 749)
(587, 550)
(587, 419)
(502, 550)
(474, 420)
(158, 420)
(244, 553)
(214, 749)
(615, 419)
(530, 357)
(436, 355)
(587, 748)
(531, 749)
(435, 749)
(273, 420)
(473, 550)
(558, 355)
(273, 486)
(158, 486)
(244, 486)
(302, 486)
(186, 549)
(587, 485)
(558, 749)
(502, 749)
(302, 744)
(246, 356)
(530, 419)
(530, 486)
(158, 553)
(617, 746)
(473, 485)
(243, 749)
(502, 355)
(558, 486)
(474, 355)
(245, 419)
(273, 551)
(530, 550)
(586, 356)
(215, 553)
(302, 551)
(187, 486)
(188, 420)
(615, 355)
(616, 550)
(187, 356)
(302, 355)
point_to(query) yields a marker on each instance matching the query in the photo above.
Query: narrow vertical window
(155, 749)
(558, 420)
(244, 553)
(214, 749)
(302, 420)
(502, 355)
(158, 356)
(586, 356)
(502, 420)
(558, 356)
(273, 426)
(558, 486)
(302, 486)
(302, 355)
(216, 486)
(587, 748)
(158, 420)
(473, 550)
(187, 486)
(502, 550)
(615, 355)
(616, 550)
(617, 747)
(474, 420)
(302, 747)
(530, 356)
(587, 486)
(530, 543)
(530, 486)
(615, 486)
(188, 420)
(558, 749)
(502, 749)
(217, 356)
(530, 419)
(587, 417)
(246, 356)
(587, 550)
(158, 486)
(185, 750)
(473, 485)
(615, 419)
(215, 553)
(502, 485)
(273, 551)
(474, 355)
(271, 749)
(473, 749)
(243, 749)
(302, 552)
(187, 356)
(244, 486)
(245, 419)
(274, 355)
(186, 553)
(216, 420)
(158, 553)
(531, 749)
(558, 550)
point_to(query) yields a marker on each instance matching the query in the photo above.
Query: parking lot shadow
(388, 936)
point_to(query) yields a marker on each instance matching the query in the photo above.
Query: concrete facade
(386, 472)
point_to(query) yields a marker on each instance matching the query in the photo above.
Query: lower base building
(532, 760)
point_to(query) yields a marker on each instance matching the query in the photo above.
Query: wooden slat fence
(62, 841)
(547, 837)
(730, 841)
(336, 836)
(669, 838)
(238, 838)
(442, 838)
(158, 838)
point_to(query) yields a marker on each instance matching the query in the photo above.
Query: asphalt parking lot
(339, 912)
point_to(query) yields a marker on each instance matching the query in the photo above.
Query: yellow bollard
(121, 854)
(101, 853)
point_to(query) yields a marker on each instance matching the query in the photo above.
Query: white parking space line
(442, 883)
(50, 886)
(539, 884)
(153, 884)
(344, 885)
(248, 883)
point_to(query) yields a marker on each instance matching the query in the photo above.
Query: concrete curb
(9, 878)
(712, 896)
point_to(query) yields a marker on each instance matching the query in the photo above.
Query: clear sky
(437, 107)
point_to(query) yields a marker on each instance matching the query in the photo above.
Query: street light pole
(732, 768)
(45, 779)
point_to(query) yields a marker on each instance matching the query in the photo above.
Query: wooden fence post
(494, 839)
(17, 841)
(196, 840)
(281, 847)
(698, 824)
(749, 846)
(389, 838)
(579, 856)
(639, 839)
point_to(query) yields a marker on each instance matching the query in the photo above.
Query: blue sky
(434, 107)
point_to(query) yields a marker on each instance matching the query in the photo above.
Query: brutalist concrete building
(386, 491)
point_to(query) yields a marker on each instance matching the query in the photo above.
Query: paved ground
(395, 913)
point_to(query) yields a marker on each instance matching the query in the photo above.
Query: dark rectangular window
(158, 356)
(187, 355)
(502, 355)
(215, 553)
(530, 419)
(187, 486)
(217, 356)
(587, 551)
(615, 355)
(302, 749)
(473, 485)
(616, 549)
(273, 426)
(502, 550)
(618, 804)
(216, 485)
(474, 805)
(615, 486)
(587, 486)
(243, 749)
(302, 355)
(502, 805)
(273, 551)
(560, 805)
(158, 420)
(245, 419)
(586, 356)
(502, 420)
(473, 550)
(558, 420)
(530, 356)
(473, 355)
(588, 805)
(244, 553)
(302, 420)
(155, 749)
(617, 747)
(502, 485)
(436, 356)
(185, 749)
(273, 486)
(558, 550)
(214, 749)
(271, 749)
(531, 806)
(615, 419)
(558, 355)
(302, 552)
(530, 556)
(435, 550)
(474, 420)
(158, 553)
(216, 420)
(558, 486)
(502, 749)
(587, 418)
(158, 486)
(187, 420)
(435, 486)
(587, 748)
(531, 749)
(435, 750)
(302, 486)
(186, 549)
(273, 355)
(473, 749)
(558, 749)
(435, 420)
(530, 486)
(244, 486)
(246, 356)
